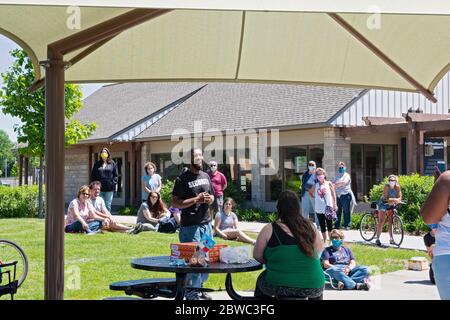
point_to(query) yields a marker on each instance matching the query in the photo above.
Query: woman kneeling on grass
(81, 216)
(150, 214)
(226, 224)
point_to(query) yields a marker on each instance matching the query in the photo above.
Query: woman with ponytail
(290, 249)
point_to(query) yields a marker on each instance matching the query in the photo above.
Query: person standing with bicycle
(392, 196)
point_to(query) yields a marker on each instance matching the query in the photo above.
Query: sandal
(392, 241)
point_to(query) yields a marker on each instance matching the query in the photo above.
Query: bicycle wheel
(397, 230)
(368, 227)
(10, 252)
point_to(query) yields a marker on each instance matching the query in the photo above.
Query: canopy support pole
(54, 134)
(380, 54)
(54, 174)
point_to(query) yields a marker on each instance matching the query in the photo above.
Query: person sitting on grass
(339, 263)
(150, 214)
(102, 211)
(226, 224)
(81, 216)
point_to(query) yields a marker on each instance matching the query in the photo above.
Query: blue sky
(7, 122)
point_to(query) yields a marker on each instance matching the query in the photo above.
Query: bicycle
(13, 267)
(369, 223)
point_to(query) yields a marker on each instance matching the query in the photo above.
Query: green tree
(16, 100)
(6, 153)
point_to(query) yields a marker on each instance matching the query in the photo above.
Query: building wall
(385, 103)
(76, 171)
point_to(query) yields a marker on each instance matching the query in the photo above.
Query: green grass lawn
(104, 258)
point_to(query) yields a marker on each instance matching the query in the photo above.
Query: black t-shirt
(189, 185)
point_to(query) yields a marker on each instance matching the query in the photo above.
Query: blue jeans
(441, 268)
(107, 196)
(77, 227)
(357, 275)
(194, 234)
(343, 203)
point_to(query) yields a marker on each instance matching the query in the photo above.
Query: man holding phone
(193, 194)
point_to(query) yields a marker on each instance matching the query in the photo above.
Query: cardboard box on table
(187, 249)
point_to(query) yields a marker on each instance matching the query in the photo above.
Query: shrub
(19, 202)
(415, 189)
(236, 193)
(166, 192)
(128, 211)
(256, 215)
(355, 220)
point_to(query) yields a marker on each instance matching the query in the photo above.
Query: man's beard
(197, 166)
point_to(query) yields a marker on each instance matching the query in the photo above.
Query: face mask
(392, 184)
(311, 168)
(433, 226)
(104, 155)
(336, 243)
(321, 178)
(213, 169)
(341, 169)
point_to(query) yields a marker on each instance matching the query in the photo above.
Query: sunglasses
(392, 180)
(213, 165)
(85, 194)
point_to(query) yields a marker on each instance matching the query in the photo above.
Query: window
(293, 162)
(165, 167)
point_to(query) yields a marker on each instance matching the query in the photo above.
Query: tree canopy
(16, 100)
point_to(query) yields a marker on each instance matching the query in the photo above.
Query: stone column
(336, 149)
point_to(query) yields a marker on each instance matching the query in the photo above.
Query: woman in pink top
(81, 216)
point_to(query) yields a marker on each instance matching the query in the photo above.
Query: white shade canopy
(240, 45)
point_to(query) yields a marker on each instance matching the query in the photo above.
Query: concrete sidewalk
(398, 285)
(352, 236)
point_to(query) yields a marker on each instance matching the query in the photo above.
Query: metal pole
(54, 174)
(40, 182)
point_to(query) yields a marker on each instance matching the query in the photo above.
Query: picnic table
(163, 264)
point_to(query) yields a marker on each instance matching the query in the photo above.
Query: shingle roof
(247, 105)
(114, 107)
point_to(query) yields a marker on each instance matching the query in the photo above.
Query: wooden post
(26, 171)
(132, 173)
(54, 176)
(420, 151)
(20, 167)
(412, 148)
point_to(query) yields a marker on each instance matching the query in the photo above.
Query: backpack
(168, 225)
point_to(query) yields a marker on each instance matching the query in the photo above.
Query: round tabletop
(161, 264)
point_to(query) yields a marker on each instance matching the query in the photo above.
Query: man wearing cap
(219, 183)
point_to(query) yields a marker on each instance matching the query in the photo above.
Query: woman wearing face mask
(151, 181)
(344, 196)
(105, 171)
(392, 195)
(150, 214)
(308, 181)
(324, 195)
(339, 263)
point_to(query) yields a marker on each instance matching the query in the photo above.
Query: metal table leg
(180, 285)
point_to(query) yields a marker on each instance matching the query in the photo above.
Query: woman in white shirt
(436, 209)
(324, 195)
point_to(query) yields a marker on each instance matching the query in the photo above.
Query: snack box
(418, 263)
(187, 249)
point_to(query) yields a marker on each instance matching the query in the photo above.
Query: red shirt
(218, 182)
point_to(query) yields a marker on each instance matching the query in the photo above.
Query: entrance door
(119, 194)
(372, 166)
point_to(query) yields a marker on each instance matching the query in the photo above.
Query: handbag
(330, 213)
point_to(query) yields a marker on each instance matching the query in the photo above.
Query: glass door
(119, 194)
(372, 164)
